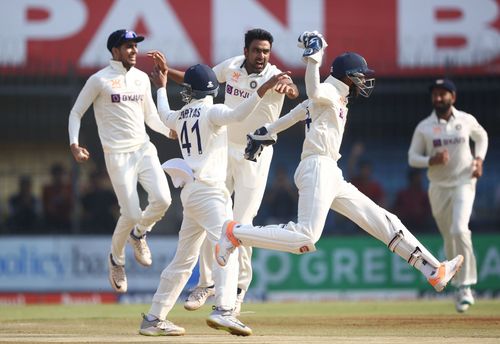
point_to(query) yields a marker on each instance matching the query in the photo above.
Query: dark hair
(257, 34)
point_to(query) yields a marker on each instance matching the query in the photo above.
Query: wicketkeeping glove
(304, 38)
(256, 143)
(313, 43)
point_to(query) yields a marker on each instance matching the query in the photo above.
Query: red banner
(57, 298)
(397, 37)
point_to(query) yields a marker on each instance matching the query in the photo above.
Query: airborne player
(318, 177)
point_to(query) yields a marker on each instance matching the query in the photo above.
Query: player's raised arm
(226, 115)
(161, 61)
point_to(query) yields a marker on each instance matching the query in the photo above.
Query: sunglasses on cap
(119, 37)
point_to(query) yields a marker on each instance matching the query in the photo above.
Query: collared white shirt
(433, 135)
(239, 86)
(122, 103)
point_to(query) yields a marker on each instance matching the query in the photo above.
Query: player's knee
(134, 216)
(162, 203)
(307, 247)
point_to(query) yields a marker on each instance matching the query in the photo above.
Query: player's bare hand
(477, 167)
(79, 153)
(158, 77)
(440, 158)
(286, 86)
(172, 135)
(159, 60)
(271, 83)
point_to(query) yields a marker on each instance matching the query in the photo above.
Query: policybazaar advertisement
(74, 270)
(397, 37)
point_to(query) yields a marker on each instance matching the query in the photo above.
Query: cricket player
(243, 75)
(440, 143)
(318, 178)
(201, 127)
(121, 95)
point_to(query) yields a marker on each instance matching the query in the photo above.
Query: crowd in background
(95, 209)
(53, 212)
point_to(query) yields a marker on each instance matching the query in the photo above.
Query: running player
(201, 126)
(319, 179)
(122, 100)
(441, 143)
(242, 75)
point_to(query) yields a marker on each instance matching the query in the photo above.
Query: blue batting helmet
(200, 81)
(354, 66)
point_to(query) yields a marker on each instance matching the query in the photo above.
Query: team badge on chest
(253, 84)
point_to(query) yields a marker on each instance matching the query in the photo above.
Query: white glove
(304, 38)
(314, 44)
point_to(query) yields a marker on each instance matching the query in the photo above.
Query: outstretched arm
(287, 87)
(243, 110)
(267, 135)
(298, 113)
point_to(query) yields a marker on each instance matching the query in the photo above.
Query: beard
(442, 108)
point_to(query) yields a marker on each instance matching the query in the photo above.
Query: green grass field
(423, 321)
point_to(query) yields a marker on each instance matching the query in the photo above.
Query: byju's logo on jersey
(116, 98)
(437, 143)
(236, 92)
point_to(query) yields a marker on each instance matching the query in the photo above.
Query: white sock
(425, 268)
(137, 233)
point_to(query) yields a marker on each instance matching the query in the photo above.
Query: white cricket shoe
(198, 297)
(225, 320)
(159, 327)
(117, 276)
(239, 300)
(141, 250)
(463, 299)
(445, 273)
(227, 243)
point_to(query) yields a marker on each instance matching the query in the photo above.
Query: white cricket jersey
(325, 113)
(433, 135)
(202, 132)
(122, 103)
(239, 86)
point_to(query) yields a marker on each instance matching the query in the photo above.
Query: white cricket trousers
(248, 180)
(321, 188)
(206, 207)
(452, 208)
(125, 170)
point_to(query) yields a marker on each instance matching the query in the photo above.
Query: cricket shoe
(157, 327)
(225, 320)
(463, 299)
(227, 243)
(141, 250)
(445, 273)
(198, 297)
(117, 276)
(239, 300)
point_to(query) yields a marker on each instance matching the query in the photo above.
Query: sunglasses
(125, 36)
(128, 35)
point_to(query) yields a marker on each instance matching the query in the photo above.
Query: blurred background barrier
(74, 270)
